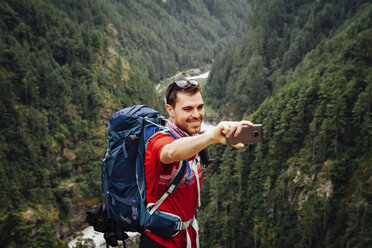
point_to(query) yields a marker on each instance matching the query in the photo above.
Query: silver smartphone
(248, 135)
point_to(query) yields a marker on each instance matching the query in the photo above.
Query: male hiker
(185, 107)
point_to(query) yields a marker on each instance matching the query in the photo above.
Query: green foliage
(278, 37)
(308, 184)
(13, 229)
(65, 67)
(46, 237)
(60, 82)
(163, 37)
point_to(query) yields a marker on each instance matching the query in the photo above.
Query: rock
(89, 243)
(69, 154)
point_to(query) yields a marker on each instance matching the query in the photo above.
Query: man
(185, 107)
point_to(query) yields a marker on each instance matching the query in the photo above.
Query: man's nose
(195, 113)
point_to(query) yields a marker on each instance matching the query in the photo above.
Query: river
(88, 235)
(203, 75)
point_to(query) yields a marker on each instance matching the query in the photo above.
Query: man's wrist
(211, 139)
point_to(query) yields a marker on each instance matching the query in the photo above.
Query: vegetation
(163, 37)
(302, 69)
(279, 34)
(59, 84)
(308, 184)
(65, 67)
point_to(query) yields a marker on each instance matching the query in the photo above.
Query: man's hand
(226, 129)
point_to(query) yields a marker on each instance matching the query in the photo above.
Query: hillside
(59, 84)
(302, 69)
(65, 67)
(163, 37)
(309, 183)
(279, 35)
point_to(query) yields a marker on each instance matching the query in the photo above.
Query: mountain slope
(65, 67)
(279, 35)
(164, 37)
(59, 83)
(309, 184)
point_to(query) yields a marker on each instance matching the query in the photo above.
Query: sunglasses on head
(183, 82)
(180, 83)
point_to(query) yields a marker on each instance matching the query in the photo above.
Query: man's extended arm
(187, 147)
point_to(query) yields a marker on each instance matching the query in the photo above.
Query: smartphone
(248, 135)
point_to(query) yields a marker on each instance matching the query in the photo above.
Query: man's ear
(170, 110)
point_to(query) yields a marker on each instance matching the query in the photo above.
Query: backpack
(123, 179)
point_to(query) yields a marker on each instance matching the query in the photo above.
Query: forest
(163, 37)
(308, 80)
(65, 67)
(302, 68)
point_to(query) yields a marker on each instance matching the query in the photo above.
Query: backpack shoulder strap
(174, 183)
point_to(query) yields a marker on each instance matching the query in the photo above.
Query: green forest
(307, 77)
(163, 37)
(302, 68)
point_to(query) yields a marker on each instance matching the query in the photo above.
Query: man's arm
(187, 147)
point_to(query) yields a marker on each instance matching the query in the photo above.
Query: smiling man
(185, 107)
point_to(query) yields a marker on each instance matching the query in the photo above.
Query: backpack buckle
(107, 155)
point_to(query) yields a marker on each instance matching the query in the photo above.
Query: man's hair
(173, 89)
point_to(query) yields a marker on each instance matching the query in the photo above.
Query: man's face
(188, 112)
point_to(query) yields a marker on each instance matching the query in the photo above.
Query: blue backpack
(123, 179)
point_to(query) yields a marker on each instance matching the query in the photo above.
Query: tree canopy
(308, 184)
